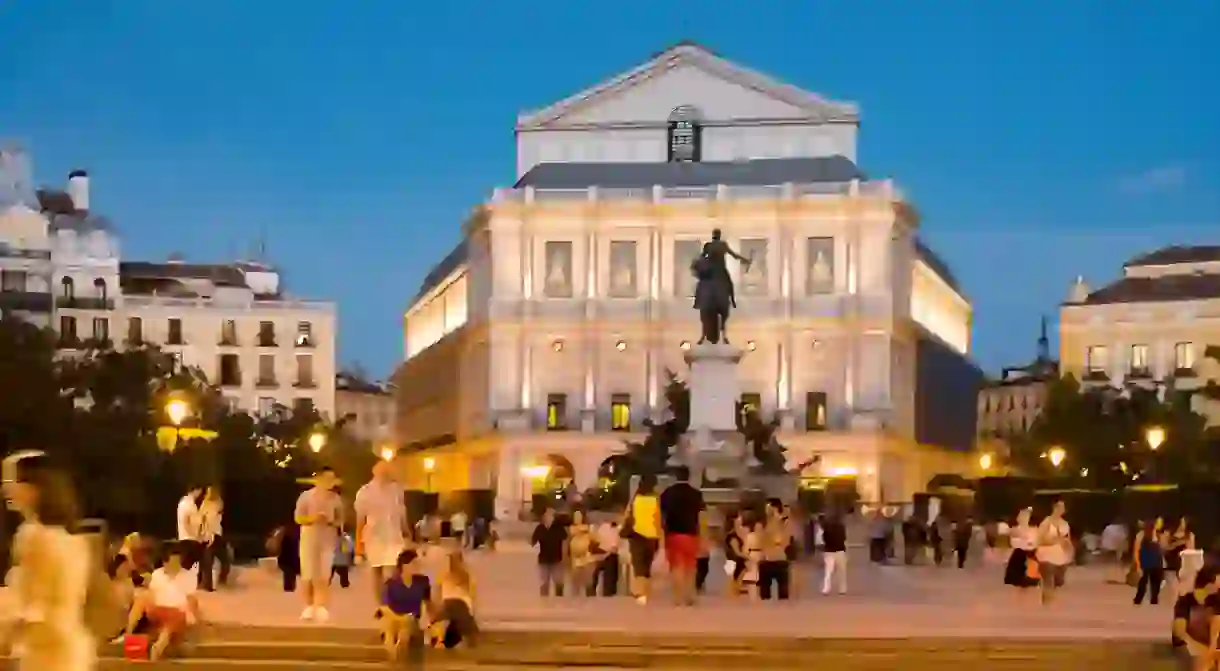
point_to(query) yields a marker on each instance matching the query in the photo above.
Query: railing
(88, 303)
(884, 189)
(25, 301)
(15, 253)
(154, 300)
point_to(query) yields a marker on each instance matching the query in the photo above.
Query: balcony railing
(267, 341)
(873, 189)
(25, 301)
(266, 383)
(306, 383)
(227, 342)
(230, 381)
(89, 303)
(15, 253)
(155, 300)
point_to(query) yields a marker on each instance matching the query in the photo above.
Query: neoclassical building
(544, 339)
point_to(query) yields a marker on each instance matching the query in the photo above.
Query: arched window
(685, 134)
(69, 289)
(99, 285)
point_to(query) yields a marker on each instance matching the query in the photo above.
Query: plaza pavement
(884, 602)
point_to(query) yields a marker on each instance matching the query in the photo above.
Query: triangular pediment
(690, 76)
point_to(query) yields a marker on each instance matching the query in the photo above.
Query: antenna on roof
(260, 252)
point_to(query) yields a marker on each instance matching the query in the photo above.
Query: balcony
(9, 252)
(266, 383)
(1140, 373)
(230, 380)
(306, 383)
(266, 341)
(68, 341)
(25, 301)
(227, 342)
(76, 303)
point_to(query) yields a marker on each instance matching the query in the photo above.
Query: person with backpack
(52, 570)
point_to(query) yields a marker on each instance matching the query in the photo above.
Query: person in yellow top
(644, 536)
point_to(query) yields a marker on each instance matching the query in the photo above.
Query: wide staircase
(301, 649)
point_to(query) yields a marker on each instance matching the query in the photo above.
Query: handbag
(1032, 570)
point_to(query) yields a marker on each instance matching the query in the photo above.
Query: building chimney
(78, 189)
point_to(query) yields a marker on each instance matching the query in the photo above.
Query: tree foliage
(98, 412)
(1104, 435)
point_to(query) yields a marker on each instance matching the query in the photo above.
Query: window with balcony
(1183, 358)
(304, 334)
(230, 370)
(67, 288)
(815, 411)
(556, 412)
(228, 332)
(266, 371)
(99, 289)
(266, 334)
(1096, 361)
(101, 329)
(305, 378)
(13, 281)
(67, 330)
(135, 331)
(174, 335)
(620, 412)
(1139, 361)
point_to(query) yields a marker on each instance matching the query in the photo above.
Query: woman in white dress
(50, 574)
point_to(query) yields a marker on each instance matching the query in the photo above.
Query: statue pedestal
(714, 388)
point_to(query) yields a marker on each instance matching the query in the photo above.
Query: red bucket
(135, 648)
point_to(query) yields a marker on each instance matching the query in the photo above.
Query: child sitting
(405, 598)
(172, 605)
(455, 624)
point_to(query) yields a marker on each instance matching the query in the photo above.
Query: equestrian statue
(714, 295)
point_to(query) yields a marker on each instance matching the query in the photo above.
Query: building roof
(62, 214)
(937, 264)
(452, 261)
(223, 275)
(354, 383)
(755, 172)
(1184, 287)
(1168, 256)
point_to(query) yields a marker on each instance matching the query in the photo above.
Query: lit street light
(429, 466)
(387, 453)
(177, 410)
(317, 441)
(1056, 455)
(985, 461)
(1155, 435)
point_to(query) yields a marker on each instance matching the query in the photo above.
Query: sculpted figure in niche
(558, 262)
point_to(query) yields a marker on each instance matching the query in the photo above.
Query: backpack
(103, 614)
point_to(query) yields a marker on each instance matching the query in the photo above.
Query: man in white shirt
(173, 604)
(190, 528)
(606, 574)
(1054, 551)
(381, 524)
(319, 512)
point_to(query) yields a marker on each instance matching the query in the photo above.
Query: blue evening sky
(1039, 139)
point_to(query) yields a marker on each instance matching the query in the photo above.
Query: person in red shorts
(172, 605)
(682, 511)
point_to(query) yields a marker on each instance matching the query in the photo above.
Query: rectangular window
(175, 332)
(623, 269)
(12, 280)
(557, 269)
(266, 334)
(620, 412)
(1139, 358)
(230, 370)
(1184, 356)
(815, 411)
(1097, 359)
(685, 253)
(556, 412)
(266, 370)
(135, 331)
(101, 329)
(228, 332)
(820, 266)
(302, 407)
(67, 329)
(304, 334)
(750, 402)
(305, 371)
(266, 406)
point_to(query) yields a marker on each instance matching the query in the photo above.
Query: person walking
(50, 573)
(774, 570)
(643, 531)
(607, 539)
(190, 527)
(1022, 568)
(551, 539)
(212, 542)
(834, 555)
(382, 526)
(319, 512)
(1054, 551)
(1149, 555)
(682, 512)
(963, 533)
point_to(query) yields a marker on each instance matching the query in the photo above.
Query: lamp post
(429, 466)
(317, 441)
(387, 454)
(1155, 436)
(986, 461)
(1056, 455)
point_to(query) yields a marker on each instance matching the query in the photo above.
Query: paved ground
(885, 602)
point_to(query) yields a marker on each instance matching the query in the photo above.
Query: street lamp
(1056, 455)
(1155, 435)
(985, 461)
(429, 466)
(317, 441)
(387, 453)
(177, 410)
